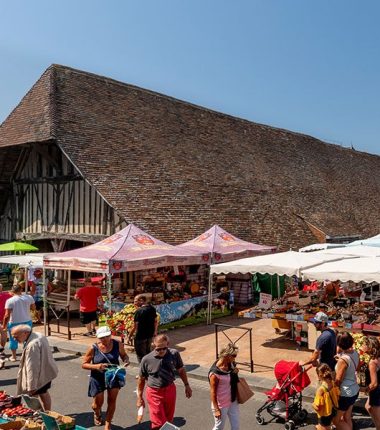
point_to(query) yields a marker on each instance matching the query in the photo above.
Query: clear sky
(307, 66)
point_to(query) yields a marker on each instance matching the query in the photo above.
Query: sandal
(98, 419)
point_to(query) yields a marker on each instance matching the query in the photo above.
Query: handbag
(244, 391)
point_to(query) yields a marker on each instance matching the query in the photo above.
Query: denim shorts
(346, 402)
(374, 397)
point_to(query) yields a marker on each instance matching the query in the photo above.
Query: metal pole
(109, 291)
(278, 287)
(26, 279)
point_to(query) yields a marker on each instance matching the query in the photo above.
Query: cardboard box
(11, 425)
(64, 422)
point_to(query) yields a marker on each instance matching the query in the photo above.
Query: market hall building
(83, 155)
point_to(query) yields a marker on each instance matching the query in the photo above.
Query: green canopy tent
(17, 247)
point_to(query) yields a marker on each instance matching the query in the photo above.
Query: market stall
(24, 412)
(130, 250)
(218, 245)
(351, 297)
(284, 311)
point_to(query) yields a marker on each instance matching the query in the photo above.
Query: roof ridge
(199, 107)
(52, 102)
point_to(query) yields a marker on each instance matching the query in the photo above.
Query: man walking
(37, 366)
(17, 311)
(325, 349)
(144, 327)
(157, 371)
(90, 298)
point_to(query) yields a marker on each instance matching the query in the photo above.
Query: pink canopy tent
(128, 250)
(219, 246)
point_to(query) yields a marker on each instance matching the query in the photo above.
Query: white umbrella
(283, 263)
(365, 269)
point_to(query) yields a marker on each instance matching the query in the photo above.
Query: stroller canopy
(291, 376)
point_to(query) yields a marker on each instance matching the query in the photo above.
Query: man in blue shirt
(325, 349)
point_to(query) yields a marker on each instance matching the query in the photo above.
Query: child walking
(326, 398)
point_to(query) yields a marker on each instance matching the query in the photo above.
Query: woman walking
(371, 346)
(223, 389)
(105, 352)
(345, 379)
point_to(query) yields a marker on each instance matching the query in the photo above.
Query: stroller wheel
(302, 415)
(260, 420)
(290, 425)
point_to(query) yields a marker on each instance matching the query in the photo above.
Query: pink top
(4, 296)
(223, 391)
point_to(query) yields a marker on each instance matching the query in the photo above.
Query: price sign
(265, 301)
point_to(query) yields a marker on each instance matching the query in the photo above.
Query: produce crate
(11, 425)
(63, 422)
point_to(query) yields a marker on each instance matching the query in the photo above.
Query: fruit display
(122, 322)
(358, 342)
(16, 411)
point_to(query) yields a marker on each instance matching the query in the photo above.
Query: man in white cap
(325, 349)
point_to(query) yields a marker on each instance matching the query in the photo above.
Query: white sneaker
(2, 363)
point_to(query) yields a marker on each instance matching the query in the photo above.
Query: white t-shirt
(20, 306)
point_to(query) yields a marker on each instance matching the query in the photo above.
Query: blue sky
(312, 67)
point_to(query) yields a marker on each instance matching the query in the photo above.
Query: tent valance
(128, 250)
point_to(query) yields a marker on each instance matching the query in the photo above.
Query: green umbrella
(17, 246)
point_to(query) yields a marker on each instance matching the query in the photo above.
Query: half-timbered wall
(50, 199)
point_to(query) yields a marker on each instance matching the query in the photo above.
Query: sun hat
(320, 317)
(103, 332)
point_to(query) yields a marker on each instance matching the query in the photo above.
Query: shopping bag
(244, 392)
(115, 376)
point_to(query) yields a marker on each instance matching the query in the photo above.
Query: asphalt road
(69, 394)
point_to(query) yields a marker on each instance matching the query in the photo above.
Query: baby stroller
(285, 398)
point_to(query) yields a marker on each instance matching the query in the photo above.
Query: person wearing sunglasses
(157, 372)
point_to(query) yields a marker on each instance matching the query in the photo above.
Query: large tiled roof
(175, 169)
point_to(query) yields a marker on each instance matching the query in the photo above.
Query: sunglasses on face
(164, 348)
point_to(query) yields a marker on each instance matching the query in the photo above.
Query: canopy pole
(278, 287)
(68, 287)
(26, 279)
(209, 298)
(109, 291)
(44, 300)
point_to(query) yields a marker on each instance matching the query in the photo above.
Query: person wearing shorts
(371, 346)
(345, 379)
(89, 298)
(17, 311)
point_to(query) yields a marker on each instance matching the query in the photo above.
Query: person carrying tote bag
(223, 378)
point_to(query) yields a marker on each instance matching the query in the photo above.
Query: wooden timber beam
(49, 179)
(91, 238)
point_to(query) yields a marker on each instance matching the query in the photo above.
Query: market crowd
(335, 358)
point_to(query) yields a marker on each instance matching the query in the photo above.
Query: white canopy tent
(321, 246)
(364, 269)
(371, 241)
(26, 260)
(352, 251)
(283, 263)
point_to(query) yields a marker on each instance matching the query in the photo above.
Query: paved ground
(197, 343)
(69, 393)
